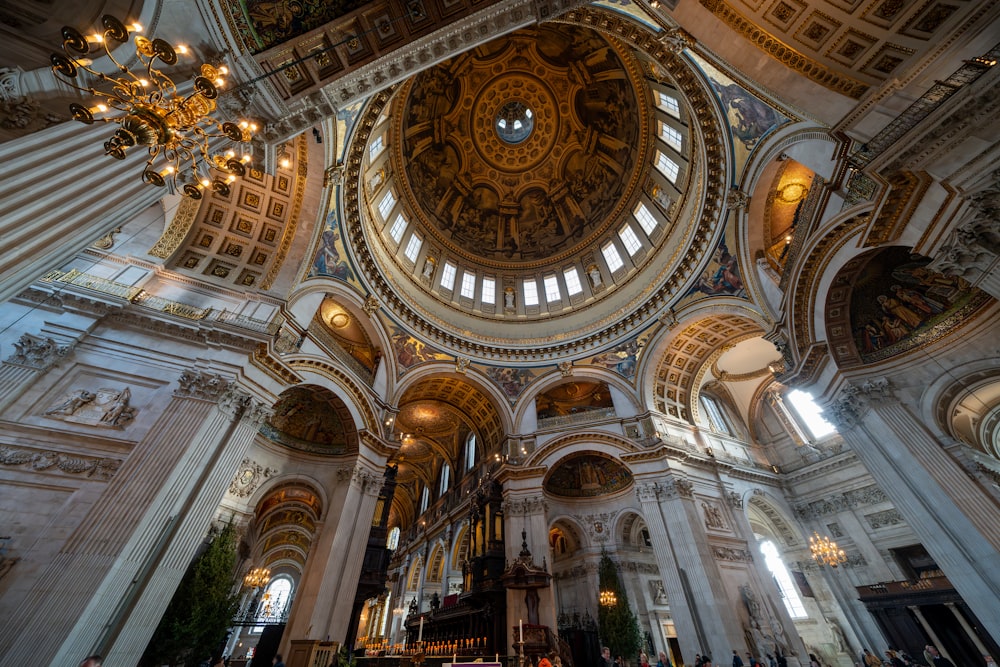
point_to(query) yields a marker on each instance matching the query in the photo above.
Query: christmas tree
(617, 625)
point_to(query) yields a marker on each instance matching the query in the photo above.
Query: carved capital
(36, 352)
(257, 413)
(195, 384)
(848, 407)
(676, 40)
(974, 245)
(461, 365)
(234, 402)
(735, 500)
(566, 368)
(366, 481)
(647, 491)
(737, 199)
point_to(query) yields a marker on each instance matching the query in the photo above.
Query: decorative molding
(248, 478)
(735, 500)
(291, 223)
(175, 233)
(263, 360)
(598, 525)
(37, 353)
(102, 468)
(713, 516)
(784, 54)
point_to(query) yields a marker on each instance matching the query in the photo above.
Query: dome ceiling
(554, 176)
(523, 149)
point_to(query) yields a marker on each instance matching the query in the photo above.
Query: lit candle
(520, 630)
(420, 635)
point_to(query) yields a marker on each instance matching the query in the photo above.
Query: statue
(72, 403)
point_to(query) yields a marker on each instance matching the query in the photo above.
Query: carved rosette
(248, 478)
(195, 384)
(36, 352)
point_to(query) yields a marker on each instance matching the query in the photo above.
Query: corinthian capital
(234, 402)
(37, 352)
(195, 384)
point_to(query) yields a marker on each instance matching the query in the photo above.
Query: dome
(528, 180)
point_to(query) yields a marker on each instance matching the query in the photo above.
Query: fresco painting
(898, 304)
(588, 476)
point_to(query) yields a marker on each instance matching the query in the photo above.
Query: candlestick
(420, 635)
(520, 630)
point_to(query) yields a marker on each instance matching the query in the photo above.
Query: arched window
(716, 417)
(810, 414)
(393, 540)
(445, 479)
(470, 452)
(784, 580)
(274, 602)
(425, 499)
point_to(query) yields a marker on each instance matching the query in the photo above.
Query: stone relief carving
(104, 407)
(676, 40)
(737, 199)
(37, 352)
(371, 305)
(234, 402)
(598, 525)
(975, 244)
(732, 554)
(201, 385)
(565, 368)
(461, 364)
(713, 516)
(524, 506)
(890, 517)
(658, 591)
(850, 500)
(248, 478)
(91, 466)
(735, 500)
(834, 529)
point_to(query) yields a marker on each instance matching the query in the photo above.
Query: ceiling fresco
(572, 398)
(524, 148)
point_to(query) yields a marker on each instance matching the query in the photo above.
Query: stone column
(323, 607)
(929, 629)
(953, 608)
(691, 633)
(449, 536)
(33, 355)
(152, 514)
(957, 521)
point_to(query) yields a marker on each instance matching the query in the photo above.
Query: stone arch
(965, 402)
(766, 513)
(413, 576)
(284, 525)
(460, 551)
(566, 537)
(631, 530)
(436, 564)
(607, 444)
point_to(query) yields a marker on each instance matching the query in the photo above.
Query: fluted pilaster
(958, 522)
(83, 599)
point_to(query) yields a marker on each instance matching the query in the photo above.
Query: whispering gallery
(445, 305)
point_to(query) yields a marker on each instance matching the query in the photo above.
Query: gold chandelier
(825, 551)
(150, 112)
(608, 598)
(257, 577)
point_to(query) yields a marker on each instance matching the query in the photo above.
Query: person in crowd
(277, 661)
(893, 658)
(664, 661)
(935, 659)
(737, 660)
(771, 662)
(92, 661)
(813, 660)
(606, 657)
(697, 660)
(620, 661)
(870, 659)
(643, 659)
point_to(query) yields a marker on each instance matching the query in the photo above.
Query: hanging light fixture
(825, 551)
(257, 577)
(150, 112)
(608, 598)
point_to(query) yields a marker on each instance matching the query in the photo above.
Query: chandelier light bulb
(136, 26)
(182, 49)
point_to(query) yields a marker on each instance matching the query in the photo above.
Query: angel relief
(106, 408)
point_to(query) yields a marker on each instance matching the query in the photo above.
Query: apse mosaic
(331, 255)
(587, 476)
(897, 304)
(512, 381)
(722, 275)
(573, 398)
(346, 118)
(311, 419)
(750, 119)
(409, 351)
(624, 358)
